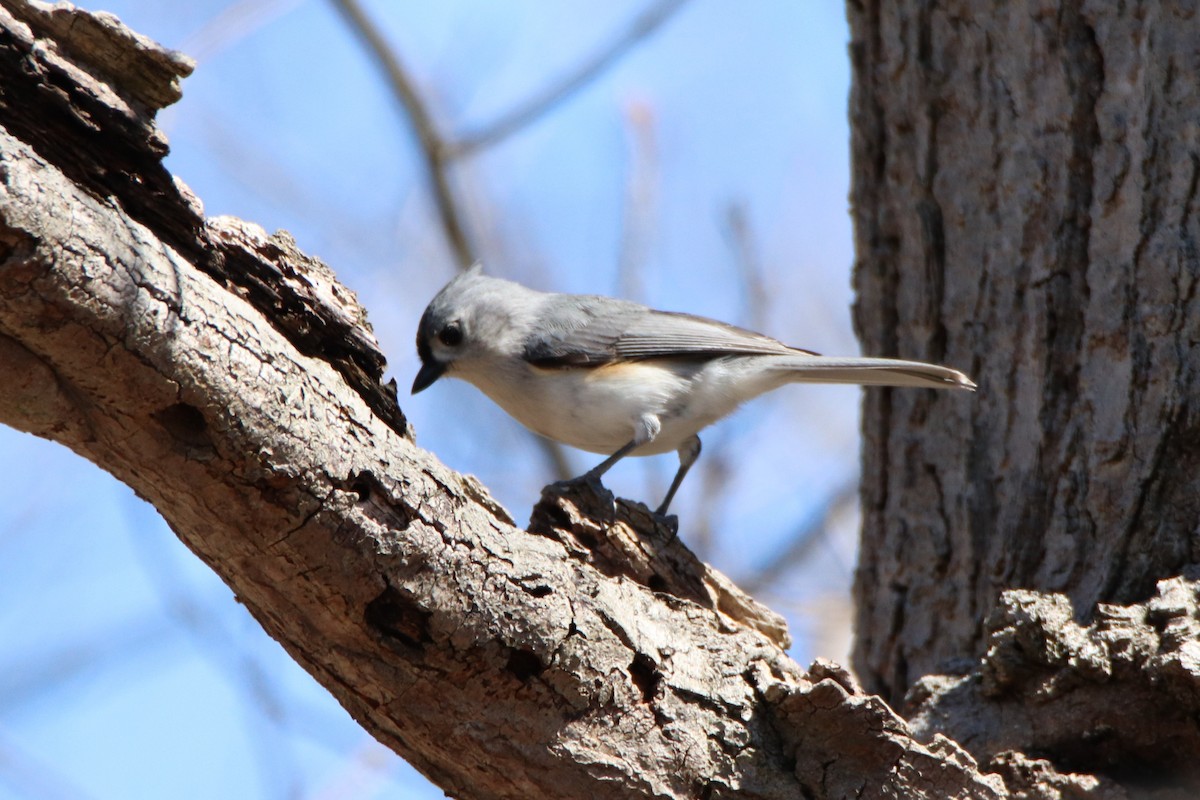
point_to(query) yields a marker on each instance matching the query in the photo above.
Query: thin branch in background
(556, 457)
(435, 156)
(275, 762)
(431, 143)
(234, 23)
(749, 266)
(363, 773)
(714, 487)
(30, 677)
(803, 543)
(257, 169)
(19, 522)
(523, 114)
(639, 219)
(34, 778)
(640, 209)
(269, 706)
(716, 470)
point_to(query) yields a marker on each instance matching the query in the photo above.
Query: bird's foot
(668, 521)
(587, 491)
(590, 479)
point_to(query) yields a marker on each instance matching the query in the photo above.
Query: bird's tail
(872, 372)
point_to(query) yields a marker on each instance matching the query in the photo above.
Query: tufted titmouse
(614, 377)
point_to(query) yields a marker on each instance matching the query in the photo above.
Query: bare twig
(363, 773)
(714, 487)
(556, 457)
(435, 155)
(646, 23)
(31, 676)
(432, 143)
(641, 195)
(717, 469)
(273, 759)
(233, 23)
(749, 264)
(31, 777)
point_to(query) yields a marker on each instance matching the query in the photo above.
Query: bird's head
(463, 326)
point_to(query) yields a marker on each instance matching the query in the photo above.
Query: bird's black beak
(430, 372)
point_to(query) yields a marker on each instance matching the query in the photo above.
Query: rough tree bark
(235, 385)
(1026, 209)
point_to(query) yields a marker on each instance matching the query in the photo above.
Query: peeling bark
(1119, 696)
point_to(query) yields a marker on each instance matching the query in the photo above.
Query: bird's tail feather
(872, 372)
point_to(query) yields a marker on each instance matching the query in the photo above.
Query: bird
(618, 378)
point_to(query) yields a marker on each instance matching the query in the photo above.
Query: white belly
(599, 409)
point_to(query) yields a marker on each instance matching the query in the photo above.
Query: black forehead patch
(423, 350)
(423, 333)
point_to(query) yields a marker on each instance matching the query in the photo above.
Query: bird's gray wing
(592, 331)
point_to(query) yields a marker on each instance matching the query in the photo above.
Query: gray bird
(615, 377)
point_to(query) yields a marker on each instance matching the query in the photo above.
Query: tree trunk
(1025, 207)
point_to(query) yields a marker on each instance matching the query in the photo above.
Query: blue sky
(126, 669)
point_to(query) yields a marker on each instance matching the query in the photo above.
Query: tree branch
(639, 28)
(435, 154)
(431, 143)
(234, 384)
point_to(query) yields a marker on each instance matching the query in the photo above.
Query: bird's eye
(451, 335)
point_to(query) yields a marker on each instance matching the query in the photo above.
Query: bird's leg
(606, 464)
(646, 429)
(689, 451)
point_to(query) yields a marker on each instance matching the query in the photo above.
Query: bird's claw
(591, 491)
(668, 521)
